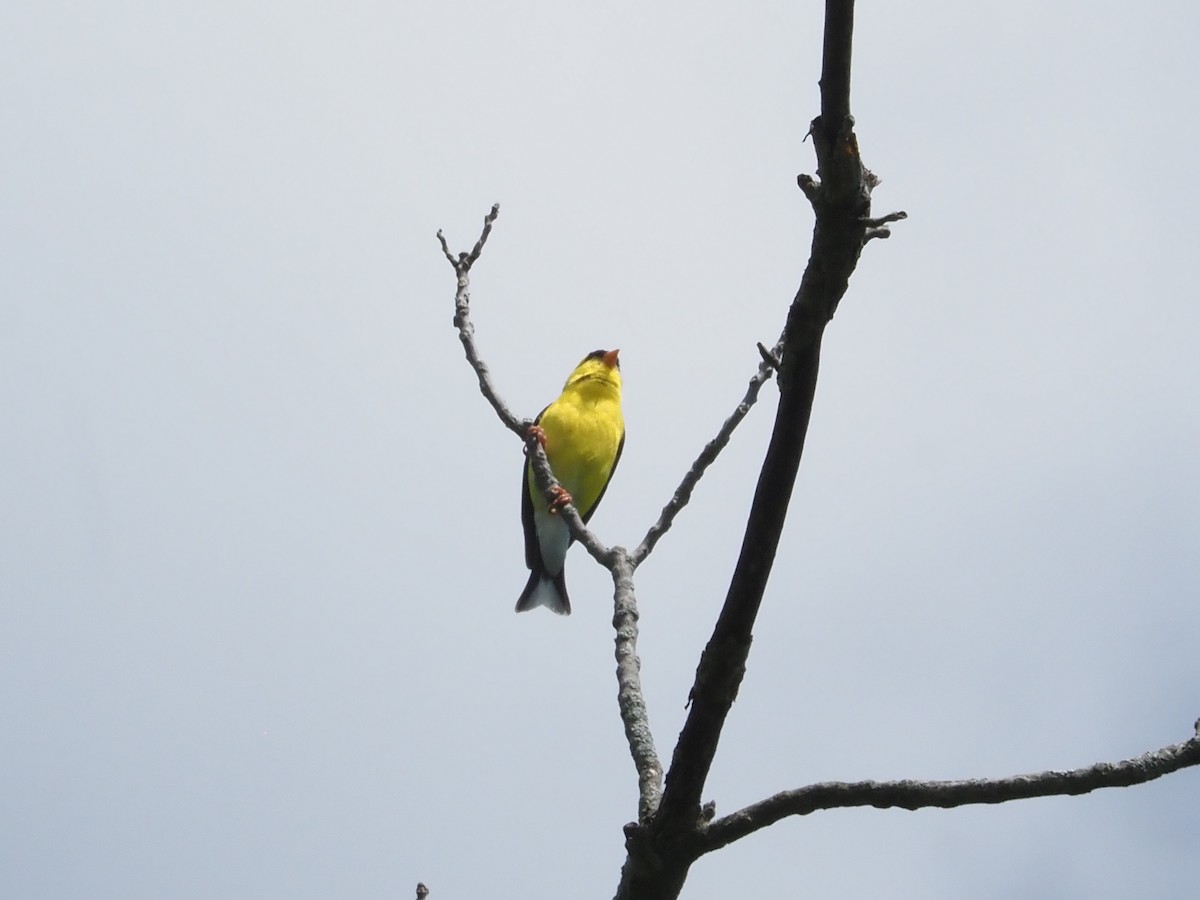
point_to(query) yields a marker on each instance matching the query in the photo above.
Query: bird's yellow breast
(583, 430)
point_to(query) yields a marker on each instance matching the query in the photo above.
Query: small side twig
(465, 260)
(897, 216)
(809, 185)
(707, 456)
(769, 357)
(877, 228)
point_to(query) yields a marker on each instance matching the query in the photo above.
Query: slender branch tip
(768, 357)
(898, 216)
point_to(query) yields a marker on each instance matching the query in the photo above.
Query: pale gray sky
(259, 534)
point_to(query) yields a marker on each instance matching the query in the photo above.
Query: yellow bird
(583, 434)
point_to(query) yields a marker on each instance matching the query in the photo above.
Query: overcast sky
(259, 533)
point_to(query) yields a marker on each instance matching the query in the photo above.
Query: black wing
(620, 447)
(533, 552)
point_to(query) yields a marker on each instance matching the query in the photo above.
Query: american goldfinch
(583, 434)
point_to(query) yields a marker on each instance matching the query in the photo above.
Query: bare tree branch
(546, 481)
(870, 223)
(707, 457)
(674, 828)
(877, 228)
(946, 794)
(629, 688)
(658, 853)
(466, 329)
(769, 356)
(841, 201)
(630, 698)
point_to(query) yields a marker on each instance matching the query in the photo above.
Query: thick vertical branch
(723, 662)
(841, 202)
(661, 851)
(835, 59)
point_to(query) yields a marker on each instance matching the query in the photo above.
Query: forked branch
(546, 481)
(661, 851)
(683, 493)
(625, 613)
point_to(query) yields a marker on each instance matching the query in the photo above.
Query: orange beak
(610, 359)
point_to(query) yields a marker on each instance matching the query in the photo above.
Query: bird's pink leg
(561, 498)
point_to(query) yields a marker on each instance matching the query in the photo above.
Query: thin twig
(809, 185)
(946, 794)
(877, 228)
(769, 357)
(546, 481)
(466, 329)
(898, 216)
(707, 456)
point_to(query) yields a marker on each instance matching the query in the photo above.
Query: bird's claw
(536, 431)
(561, 498)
